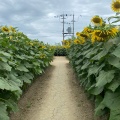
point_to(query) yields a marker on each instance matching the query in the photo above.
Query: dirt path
(55, 95)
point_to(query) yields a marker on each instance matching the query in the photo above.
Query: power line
(63, 17)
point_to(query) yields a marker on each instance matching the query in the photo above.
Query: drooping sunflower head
(76, 41)
(12, 29)
(99, 35)
(65, 42)
(79, 40)
(113, 31)
(66, 46)
(82, 40)
(42, 56)
(103, 35)
(87, 30)
(77, 34)
(5, 29)
(96, 20)
(115, 5)
(83, 35)
(43, 46)
(31, 43)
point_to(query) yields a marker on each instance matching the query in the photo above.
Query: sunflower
(79, 41)
(87, 30)
(113, 31)
(5, 29)
(76, 41)
(42, 56)
(11, 37)
(82, 40)
(96, 20)
(31, 44)
(12, 29)
(77, 33)
(115, 5)
(66, 46)
(83, 35)
(65, 42)
(103, 35)
(43, 47)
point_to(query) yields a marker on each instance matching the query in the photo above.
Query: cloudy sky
(40, 19)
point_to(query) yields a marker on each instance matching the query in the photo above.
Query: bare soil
(55, 95)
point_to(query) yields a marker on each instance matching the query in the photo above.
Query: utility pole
(63, 25)
(63, 16)
(73, 24)
(63, 21)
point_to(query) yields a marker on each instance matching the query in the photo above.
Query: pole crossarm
(68, 33)
(63, 17)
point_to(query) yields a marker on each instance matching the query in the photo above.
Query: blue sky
(36, 18)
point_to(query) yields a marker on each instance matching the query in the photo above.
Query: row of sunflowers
(21, 60)
(101, 31)
(95, 56)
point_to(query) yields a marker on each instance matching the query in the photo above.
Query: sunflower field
(95, 57)
(60, 50)
(21, 60)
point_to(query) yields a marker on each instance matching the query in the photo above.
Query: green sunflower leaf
(36, 63)
(95, 69)
(104, 78)
(116, 52)
(85, 65)
(5, 54)
(25, 79)
(114, 85)
(77, 62)
(98, 107)
(112, 101)
(3, 112)
(100, 55)
(91, 52)
(22, 68)
(3, 58)
(115, 61)
(5, 66)
(12, 105)
(95, 90)
(20, 57)
(9, 85)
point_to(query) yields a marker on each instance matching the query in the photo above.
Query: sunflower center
(101, 34)
(97, 20)
(89, 31)
(83, 35)
(117, 5)
(5, 29)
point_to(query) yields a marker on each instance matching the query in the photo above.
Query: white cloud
(36, 18)
(51, 14)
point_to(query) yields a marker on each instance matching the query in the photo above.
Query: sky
(42, 20)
